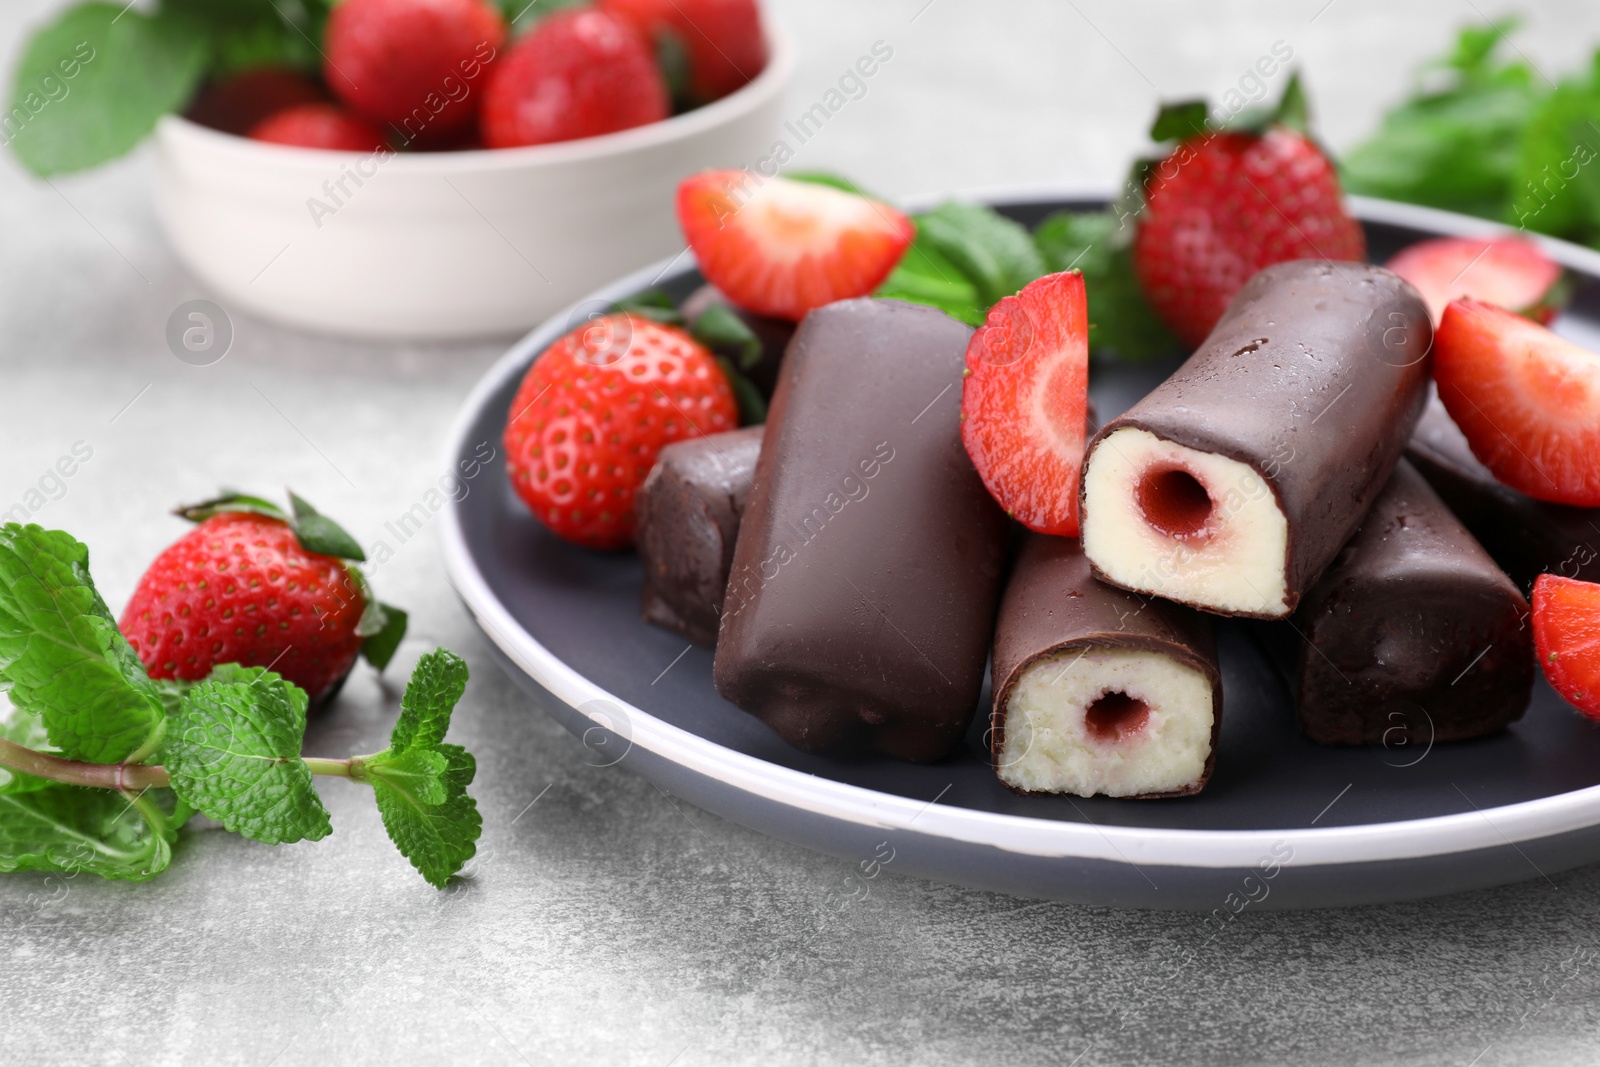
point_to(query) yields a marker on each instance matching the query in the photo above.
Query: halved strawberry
(1025, 400)
(1566, 631)
(1527, 399)
(1510, 272)
(780, 247)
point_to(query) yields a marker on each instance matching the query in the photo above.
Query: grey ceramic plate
(1283, 823)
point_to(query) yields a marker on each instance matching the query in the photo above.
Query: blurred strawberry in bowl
(579, 73)
(721, 41)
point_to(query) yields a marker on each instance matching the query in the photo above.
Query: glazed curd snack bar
(1099, 691)
(861, 604)
(1414, 635)
(688, 520)
(1527, 537)
(1233, 484)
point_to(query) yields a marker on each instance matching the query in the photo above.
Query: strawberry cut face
(1566, 632)
(1527, 400)
(1510, 272)
(1024, 402)
(780, 248)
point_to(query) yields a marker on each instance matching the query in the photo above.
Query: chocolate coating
(688, 521)
(1053, 603)
(868, 568)
(1315, 377)
(774, 335)
(1525, 536)
(1414, 635)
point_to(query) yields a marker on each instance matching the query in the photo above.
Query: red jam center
(1173, 501)
(1114, 716)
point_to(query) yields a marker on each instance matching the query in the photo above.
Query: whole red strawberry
(416, 64)
(320, 126)
(244, 587)
(595, 409)
(723, 40)
(579, 73)
(1222, 206)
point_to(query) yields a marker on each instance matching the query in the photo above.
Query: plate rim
(1439, 835)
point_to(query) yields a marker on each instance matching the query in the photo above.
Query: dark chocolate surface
(868, 567)
(688, 520)
(1053, 603)
(774, 335)
(1414, 635)
(1525, 536)
(1314, 377)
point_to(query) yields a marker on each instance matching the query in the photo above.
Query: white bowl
(445, 244)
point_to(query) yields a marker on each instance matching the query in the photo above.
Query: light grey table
(604, 921)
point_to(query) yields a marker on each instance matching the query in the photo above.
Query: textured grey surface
(607, 922)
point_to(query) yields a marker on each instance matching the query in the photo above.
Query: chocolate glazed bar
(1233, 485)
(1100, 691)
(1413, 635)
(865, 580)
(688, 520)
(774, 335)
(1525, 536)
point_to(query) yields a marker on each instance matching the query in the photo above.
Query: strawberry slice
(1528, 401)
(1510, 272)
(1025, 400)
(780, 247)
(1566, 631)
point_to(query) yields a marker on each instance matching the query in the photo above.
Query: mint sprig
(419, 782)
(80, 788)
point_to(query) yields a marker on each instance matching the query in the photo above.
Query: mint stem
(127, 777)
(123, 776)
(331, 768)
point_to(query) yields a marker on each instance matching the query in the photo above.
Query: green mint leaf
(420, 784)
(1454, 145)
(93, 83)
(62, 657)
(1121, 320)
(822, 177)
(925, 276)
(233, 751)
(379, 647)
(1180, 121)
(437, 682)
(71, 828)
(1555, 183)
(1476, 44)
(318, 533)
(994, 254)
(419, 773)
(752, 405)
(719, 326)
(21, 728)
(438, 837)
(250, 34)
